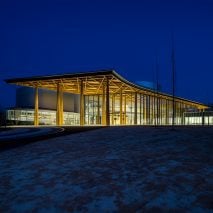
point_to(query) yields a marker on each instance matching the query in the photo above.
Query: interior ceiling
(91, 85)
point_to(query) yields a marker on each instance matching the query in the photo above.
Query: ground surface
(118, 169)
(16, 136)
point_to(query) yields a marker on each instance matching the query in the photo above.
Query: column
(167, 114)
(107, 103)
(81, 103)
(147, 109)
(181, 113)
(160, 111)
(121, 108)
(144, 110)
(113, 108)
(173, 112)
(60, 106)
(154, 109)
(124, 109)
(36, 119)
(104, 105)
(140, 109)
(98, 112)
(136, 110)
(203, 118)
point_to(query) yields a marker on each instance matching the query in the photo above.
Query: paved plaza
(116, 169)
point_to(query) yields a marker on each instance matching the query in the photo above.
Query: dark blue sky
(58, 36)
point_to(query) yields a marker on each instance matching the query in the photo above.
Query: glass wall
(198, 118)
(124, 109)
(92, 109)
(130, 108)
(137, 109)
(46, 117)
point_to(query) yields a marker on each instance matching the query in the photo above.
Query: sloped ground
(118, 169)
(17, 136)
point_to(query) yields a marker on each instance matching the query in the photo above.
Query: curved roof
(93, 82)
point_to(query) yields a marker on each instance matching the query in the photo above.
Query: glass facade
(46, 117)
(198, 118)
(140, 109)
(125, 109)
(93, 109)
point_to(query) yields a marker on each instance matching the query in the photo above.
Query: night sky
(56, 37)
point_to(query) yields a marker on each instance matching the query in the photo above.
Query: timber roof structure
(93, 83)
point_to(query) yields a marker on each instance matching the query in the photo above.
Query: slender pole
(173, 82)
(157, 90)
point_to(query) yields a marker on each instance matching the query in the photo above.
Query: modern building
(102, 98)
(23, 112)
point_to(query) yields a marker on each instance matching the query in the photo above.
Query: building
(106, 98)
(23, 112)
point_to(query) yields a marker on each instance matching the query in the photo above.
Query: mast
(173, 81)
(157, 90)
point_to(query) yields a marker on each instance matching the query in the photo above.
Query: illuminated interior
(198, 118)
(46, 117)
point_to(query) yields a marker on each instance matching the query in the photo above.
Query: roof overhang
(93, 83)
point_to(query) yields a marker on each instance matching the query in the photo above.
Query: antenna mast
(157, 89)
(173, 82)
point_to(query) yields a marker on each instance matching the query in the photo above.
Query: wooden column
(144, 110)
(136, 110)
(107, 103)
(181, 113)
(36, 119)
(113, 108)
(157, 110)
(166, 112)
(81, 103)
(124, 109)
(103, 105)
(60, 106)
(154, 110)
(140, 109)
(98, 112)
(160, 111)
(147, 109)
(121, 108)
(169, 112)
